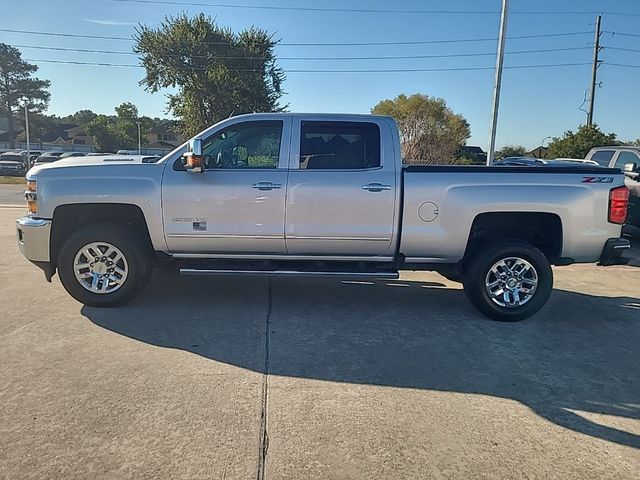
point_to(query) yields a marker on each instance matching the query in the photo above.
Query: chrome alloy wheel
(100, 267)
(511, 282)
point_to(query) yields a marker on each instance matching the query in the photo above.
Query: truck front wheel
(104, 265)
(508, 282)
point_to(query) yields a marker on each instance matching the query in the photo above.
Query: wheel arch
(70, 217)
(543, 230)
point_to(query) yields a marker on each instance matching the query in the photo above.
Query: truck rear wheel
(104, 265)
(508, 282)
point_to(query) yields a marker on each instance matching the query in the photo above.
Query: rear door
(342, 188)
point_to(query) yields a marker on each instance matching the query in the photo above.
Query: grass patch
(12, 180)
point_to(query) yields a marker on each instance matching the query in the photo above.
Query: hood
(95, 161)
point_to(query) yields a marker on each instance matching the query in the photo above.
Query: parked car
(30, 152)
(539, 162)
(627, 159)
(72, 154)
(48, 157)
(519, 162)
(577, 161)
(318, 195)
(32, 155)
(12, 164)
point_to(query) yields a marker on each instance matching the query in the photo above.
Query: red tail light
(618, 204)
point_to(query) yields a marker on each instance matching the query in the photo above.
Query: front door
(237, 205)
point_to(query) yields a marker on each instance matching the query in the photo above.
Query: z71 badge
(597, 179)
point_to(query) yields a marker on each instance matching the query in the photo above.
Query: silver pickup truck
(318, 195)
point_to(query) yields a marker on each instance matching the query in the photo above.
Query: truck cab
(627, 159)
(288, 185)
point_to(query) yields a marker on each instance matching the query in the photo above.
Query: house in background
(79, 136)
(476, 154)
(538, 152)
(4, 135)
(160, 137)
(4, 130)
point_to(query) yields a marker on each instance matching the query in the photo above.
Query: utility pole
(139, 143)
(498, 82)
(594, 71)
(26, 128)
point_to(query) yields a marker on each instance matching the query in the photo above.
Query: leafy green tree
(40, 126)
(511, 151)
(111, 133)
(429, 131)
(218, 73)
(466, 158)
(16, 83)
(125, 124)
(578, 144)
(102, 130)
(81, 117)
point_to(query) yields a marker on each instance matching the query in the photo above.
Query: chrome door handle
(376, 187)
(266, 186)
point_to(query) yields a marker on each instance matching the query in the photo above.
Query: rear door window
(339, 146)
(603, 157)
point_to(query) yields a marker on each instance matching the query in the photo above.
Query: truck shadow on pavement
(576, 359)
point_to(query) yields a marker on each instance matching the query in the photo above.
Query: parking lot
(283, 378)
(11, 194)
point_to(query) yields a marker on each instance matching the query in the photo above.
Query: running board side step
(291, 273)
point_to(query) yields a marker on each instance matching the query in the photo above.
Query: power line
(623, 34)
(314, 44)
(622, 65)
(386, 70)
(60, 34)
(622, 49)
(369, 10)
(388, 57)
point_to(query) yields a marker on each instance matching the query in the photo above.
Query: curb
(11, 206)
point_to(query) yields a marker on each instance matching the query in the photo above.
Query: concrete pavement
(11, 194)
(397, 379)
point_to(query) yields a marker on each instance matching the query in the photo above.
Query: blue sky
(535, 102)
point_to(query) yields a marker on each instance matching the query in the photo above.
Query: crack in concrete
(264, 437)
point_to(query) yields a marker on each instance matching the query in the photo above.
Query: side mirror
(631, 169)
(194, 161)
(195, 146)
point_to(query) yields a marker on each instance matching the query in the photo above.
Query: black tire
(135, 250)
(479, 266)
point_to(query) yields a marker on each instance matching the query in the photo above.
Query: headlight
(31, 197)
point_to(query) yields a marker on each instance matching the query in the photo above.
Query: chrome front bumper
(33, 236)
